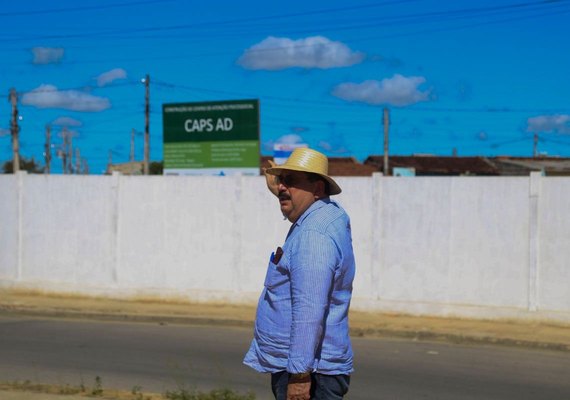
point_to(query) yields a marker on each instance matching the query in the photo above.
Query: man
(301, 329)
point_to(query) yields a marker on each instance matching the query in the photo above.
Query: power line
(491, 110)
(78, 9)
(212, 23)
(543, 139)
(435, 16)
(438, 17)
(455, 28)
(499, 144)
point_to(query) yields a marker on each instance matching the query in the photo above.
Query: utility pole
(70, 152)
(535, 146)
(61, 154)
(110, 163)
(15, 130)
(132, 157)
(386, 121)
(77, 161)
(66, 151)
(146, 125)
(48, 150)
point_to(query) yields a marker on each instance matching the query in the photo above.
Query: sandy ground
(529, 334)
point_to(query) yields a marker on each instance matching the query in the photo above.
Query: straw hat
(307, 160)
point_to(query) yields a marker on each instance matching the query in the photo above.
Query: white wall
(9, 227)
(553, 246)
(463, 246)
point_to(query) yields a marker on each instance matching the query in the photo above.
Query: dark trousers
(323, 387)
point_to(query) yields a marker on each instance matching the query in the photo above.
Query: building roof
(524, 165)
(349, 166)
(423, 165)
(128, 168)
(338, 166)
(436, 165)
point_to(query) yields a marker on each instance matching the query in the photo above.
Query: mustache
(284, 196)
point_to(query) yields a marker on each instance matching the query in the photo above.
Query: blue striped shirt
(302, 314)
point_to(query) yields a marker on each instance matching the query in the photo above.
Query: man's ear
(319, 191)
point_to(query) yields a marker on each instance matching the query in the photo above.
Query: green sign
(219, 137)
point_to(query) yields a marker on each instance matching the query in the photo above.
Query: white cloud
(482, 136)
(66, 121)
(47, 55)
(397, 91)
(313, 52)
(110, 76)
(559, 123)
(48, 96)
(290, 139)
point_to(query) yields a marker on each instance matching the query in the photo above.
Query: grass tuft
(216, 394)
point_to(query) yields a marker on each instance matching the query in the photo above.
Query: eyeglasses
(288, 180)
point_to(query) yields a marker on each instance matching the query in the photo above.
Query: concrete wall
(464, 246)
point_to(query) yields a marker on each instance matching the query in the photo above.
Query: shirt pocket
(276, 275)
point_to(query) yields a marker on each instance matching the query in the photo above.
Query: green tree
(29, 165)
(155, 168)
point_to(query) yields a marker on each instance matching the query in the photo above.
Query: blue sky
(480, 77)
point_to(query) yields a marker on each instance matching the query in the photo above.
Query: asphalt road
(158, 357)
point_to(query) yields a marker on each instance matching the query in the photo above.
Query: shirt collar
(315, 206)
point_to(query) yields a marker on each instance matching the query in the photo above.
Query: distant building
(430, 165)
(419, 165)
(128, 168)
(550, 166)
(282, 151)
(427, 165)
(338, 166)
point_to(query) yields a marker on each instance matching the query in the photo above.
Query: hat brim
(334, 188)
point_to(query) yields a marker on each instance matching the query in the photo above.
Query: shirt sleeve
(314, 257)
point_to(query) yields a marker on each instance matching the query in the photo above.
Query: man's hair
(316, 177)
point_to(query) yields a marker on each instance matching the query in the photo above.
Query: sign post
(211, 138)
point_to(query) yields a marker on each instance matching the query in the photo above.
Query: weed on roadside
(135, 393)
(67, 389)
(98, 388)
(216, 394)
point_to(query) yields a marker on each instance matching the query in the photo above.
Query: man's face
(296, 193)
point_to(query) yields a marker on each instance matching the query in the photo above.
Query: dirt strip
(504, 332)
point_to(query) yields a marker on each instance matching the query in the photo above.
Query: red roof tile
(436, 165)
(338, 166)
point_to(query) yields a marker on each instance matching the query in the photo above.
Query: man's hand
(271, 180)
(299, 391)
